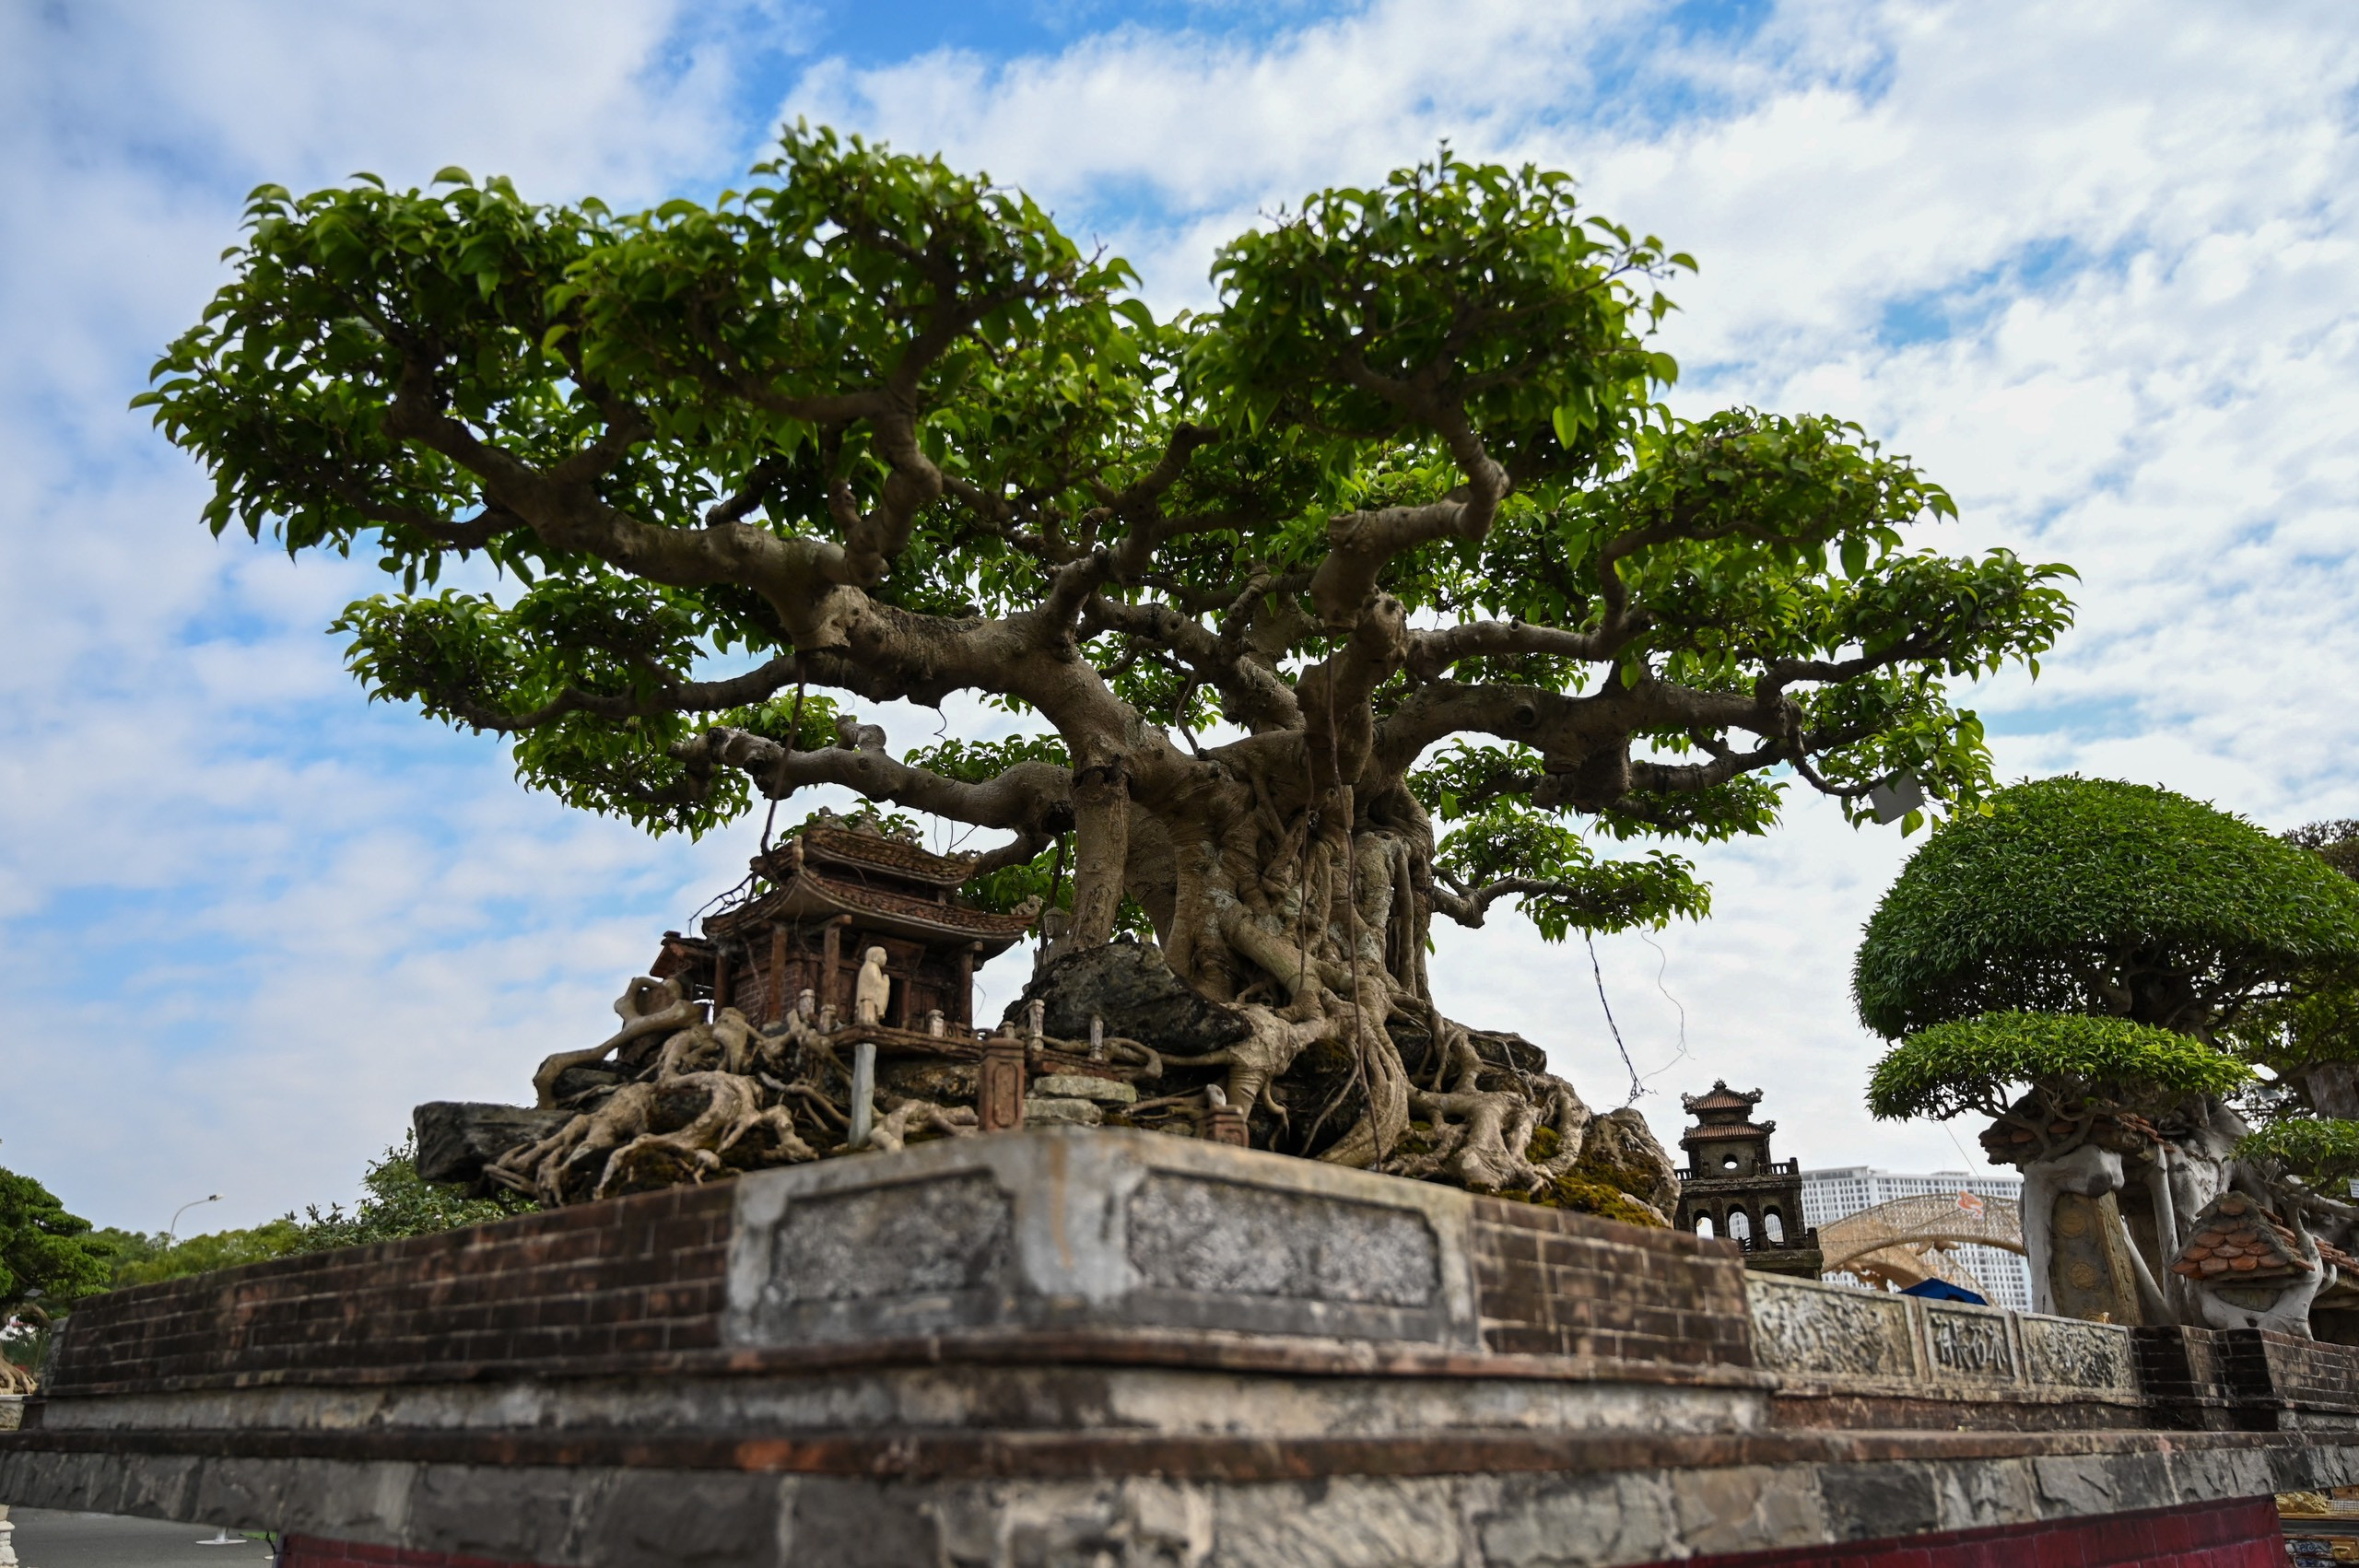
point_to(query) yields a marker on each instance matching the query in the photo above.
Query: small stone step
(1062, 1113)
(1081, 1086)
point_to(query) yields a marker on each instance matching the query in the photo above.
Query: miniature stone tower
(1733, 1189)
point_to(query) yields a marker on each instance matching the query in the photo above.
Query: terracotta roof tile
(2235, 1241)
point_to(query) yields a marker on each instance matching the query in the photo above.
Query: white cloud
(255, 920)
(252, 920)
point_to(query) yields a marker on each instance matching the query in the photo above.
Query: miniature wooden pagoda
(1733, 1185)
(826, 896)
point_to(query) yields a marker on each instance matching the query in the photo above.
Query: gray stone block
(456, 1140)
(1748, 1508)
(1226, 1239)
(242, 1493)
(1869, 1502)
(858, 1524)
(2063, 1353)
(1065, 1227)
(341, 1500)
(1066, 1111)
(683, 1519)
(1969, 1344)
(510, 1514)
(1574, 1521)
(1362, 1521)
(1080, 1086)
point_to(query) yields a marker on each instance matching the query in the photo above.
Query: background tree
(1383, 588)
(48, 1259)
(2310, 1038)
(395, 1202)
(2095, 945)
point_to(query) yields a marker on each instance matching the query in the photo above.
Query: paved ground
(46, 1538)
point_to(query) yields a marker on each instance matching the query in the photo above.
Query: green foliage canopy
(2089, 896)
(2322, 1150)
(877, 425)
(43, 1249)
(396, 1203)
(1978, 1064)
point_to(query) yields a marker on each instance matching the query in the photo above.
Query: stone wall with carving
(1832, 1334)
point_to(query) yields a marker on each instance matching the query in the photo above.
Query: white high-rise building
(1829, 1195)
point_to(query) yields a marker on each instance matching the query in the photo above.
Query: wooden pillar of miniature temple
(822, 900)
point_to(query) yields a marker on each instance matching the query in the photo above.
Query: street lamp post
(172, 1231)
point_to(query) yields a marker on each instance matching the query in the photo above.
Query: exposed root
(733, 1110)
(893, 1129)
(647, 1007)
(1305, 926)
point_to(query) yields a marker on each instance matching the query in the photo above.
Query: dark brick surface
(2281, 1372)
(1559, 1284)
(633, 1274)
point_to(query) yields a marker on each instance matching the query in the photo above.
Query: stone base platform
(1072, 1346)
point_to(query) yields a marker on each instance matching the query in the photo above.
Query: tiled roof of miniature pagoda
(1722, 1115)
(875, 852)
(1721, 1131)
(1721, 1098)
(2235, 1241)
(826, 871)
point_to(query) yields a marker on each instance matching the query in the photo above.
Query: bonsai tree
(2068, 1095)
(2095, 945)
(1385, 589)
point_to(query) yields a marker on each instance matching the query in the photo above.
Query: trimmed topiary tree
(2073, 962)
(2091, 896)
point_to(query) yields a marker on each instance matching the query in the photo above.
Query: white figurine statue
(872, 990)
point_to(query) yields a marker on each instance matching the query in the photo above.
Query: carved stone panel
(1966, 1344)
(1222, 1239)
(910, 1239)
(1799, 1327)
(2060, 1354)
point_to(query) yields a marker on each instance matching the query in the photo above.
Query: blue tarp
(1942, 1290)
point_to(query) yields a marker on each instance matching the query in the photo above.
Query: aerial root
(893, 1129)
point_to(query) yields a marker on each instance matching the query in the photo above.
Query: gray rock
(455, 1139)
(1129, 985)
(1062, 1113)
(1081, 1086)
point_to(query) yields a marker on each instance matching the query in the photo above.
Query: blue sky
(2092, 265)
